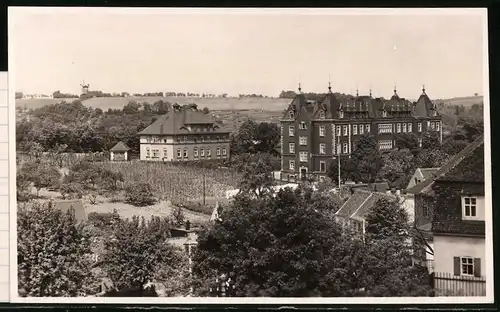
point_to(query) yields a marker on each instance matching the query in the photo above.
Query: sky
(254, 51)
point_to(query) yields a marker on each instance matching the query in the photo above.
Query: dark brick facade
(356, 117)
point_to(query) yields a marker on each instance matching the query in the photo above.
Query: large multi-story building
(184, 134)
(313, 133)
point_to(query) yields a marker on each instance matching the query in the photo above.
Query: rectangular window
(437, 126)
(202, 152)
(354, 129)
(156, 153)
(385, 144)
(292, 165)
(303, 140)
(195, 152)
(384, 114)
(303, 125)
(148, 152)
(322, 131)
(303, 156)
(291, 131)
(209, 152)
(469, 205)
(428, 125)
(291, 147)
(165, 153)
(361, 129)
(367, 127)
(409, 127)
(404, 128)
(419, 127)
(341, 114)
(218, 151)
(224, 152)
(179, 153)
(185, 153)
(384, 128)
(345, 148)
(419, 142)
(338, 130)
(345, 130)
(322, 148)
(398, 127)
(322, 166)
(339, 149)
(432, 125)
(322, 115)
(185, 139)
(467, 266)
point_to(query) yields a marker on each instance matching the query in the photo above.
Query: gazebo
(119, 152)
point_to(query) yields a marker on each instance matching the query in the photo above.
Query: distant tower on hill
(85, 88)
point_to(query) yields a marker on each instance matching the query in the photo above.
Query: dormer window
(291, 114)
(303, 125)
(341, 114)
(384, 114)
(322, 115)
(434, 113)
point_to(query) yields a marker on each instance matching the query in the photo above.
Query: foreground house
(314, 133)
(184, 134)
(452, 205)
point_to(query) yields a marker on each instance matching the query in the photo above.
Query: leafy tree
(366, 159)
(140, 195)
(407, 141)
(138, 252)
(274, 247)
(397, 164)
(178, 216)
(388, 269)
(431, 158)
(41, 175)
(472, 127)
(71, 190)
(257, 178)
(53, 254)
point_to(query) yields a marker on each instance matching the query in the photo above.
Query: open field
(270, 104)
(465, 101)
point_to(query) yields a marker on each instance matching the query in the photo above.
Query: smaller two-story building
(184, 134)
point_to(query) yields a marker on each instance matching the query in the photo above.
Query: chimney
(188, 225)
(161, 129)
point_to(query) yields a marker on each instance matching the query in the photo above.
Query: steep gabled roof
(176, 122)
(120, 147)
(424, 105)
(428, 173)
(455, 168)
(366, 207)
(353, 203)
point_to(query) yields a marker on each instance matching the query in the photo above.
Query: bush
(140, 195)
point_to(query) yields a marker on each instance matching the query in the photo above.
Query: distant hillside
(268, 104)
(465, 101)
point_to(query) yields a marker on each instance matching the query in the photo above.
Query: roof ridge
(359, 207)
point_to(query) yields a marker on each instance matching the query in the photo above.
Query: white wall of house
(448, 247)
(409, 206)
(161, 147)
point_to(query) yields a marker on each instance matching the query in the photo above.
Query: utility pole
(203, 171)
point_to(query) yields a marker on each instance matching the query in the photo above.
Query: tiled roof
(470, 153)
(120, 147)
(428, 173)
(423, 106)
(365, 208)
(176, 122)
(66, 205)
(353, 203)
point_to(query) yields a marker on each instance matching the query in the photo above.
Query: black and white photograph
(198, 155)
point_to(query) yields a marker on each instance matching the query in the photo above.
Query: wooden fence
(447, 284)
